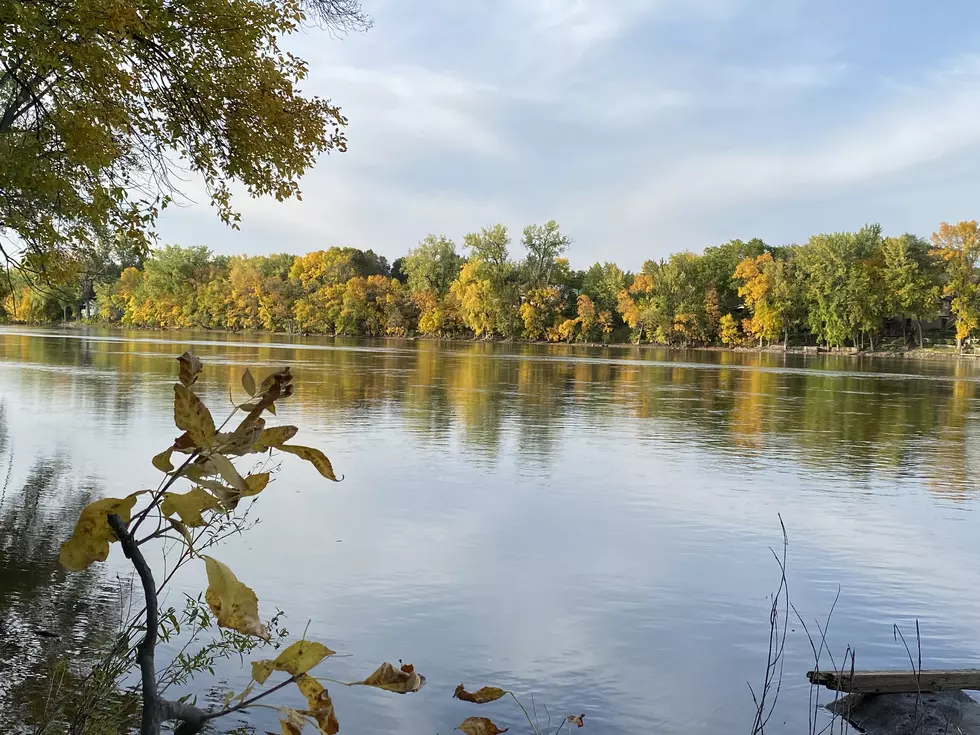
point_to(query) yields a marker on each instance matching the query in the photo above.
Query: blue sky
(642, 126)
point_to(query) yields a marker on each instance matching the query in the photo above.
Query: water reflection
(52, 624)
(589, 523)
(842, 414)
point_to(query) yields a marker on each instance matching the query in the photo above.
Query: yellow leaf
(248, 382)
(479, 726)
(162, 461)
(228, 472)
(293, 724)
(256, 484)
(90, 540)
(314, 456)
(190, 368)
(189, 506)
(297, 659)
(480, 696)
(274, 437)
(400, 681)
(191, 415)
(320, 705)
(235, 605)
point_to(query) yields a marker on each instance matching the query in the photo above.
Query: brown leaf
(162, 461)
(248, 382)
(390, 679)
(293, 724)
(277, 380)
(242, 439)
(190, 369)
(274, 436)
(314, 456)
(480, 696)
(577, 720)
(479, 726)
(235, 605)
(191, 415)
(320, 704)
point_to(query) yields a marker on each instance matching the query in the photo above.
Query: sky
(643, 127)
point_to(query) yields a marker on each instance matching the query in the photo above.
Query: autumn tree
(104, 105)
(958, 247)
(770, 291)
(489, 246)
(541, 311)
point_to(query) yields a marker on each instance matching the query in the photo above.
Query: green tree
(104, 102)
(489, 246)
(911, 280)
(432, 266)
(544, 244)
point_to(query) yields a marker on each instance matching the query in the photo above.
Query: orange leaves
(401, 680)
(480, 696)
(479, 726)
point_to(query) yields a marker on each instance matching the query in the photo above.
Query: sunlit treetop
(106, 105)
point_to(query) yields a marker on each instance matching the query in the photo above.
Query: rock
(939, 713)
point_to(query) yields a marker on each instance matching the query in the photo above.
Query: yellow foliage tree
(958, 246)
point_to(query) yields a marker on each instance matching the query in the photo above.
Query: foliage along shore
(849, 290)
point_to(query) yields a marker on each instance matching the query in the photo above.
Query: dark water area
(589, 524)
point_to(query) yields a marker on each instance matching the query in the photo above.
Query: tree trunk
(871, 339)
(785, 340)
(919, 324)
(959, 344)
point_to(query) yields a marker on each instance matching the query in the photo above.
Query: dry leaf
(90, 540)
(190, 368)
(293, 724)
(256, 484)
(297, 659)
(480, 696)
(320, 704)
(182, 530)
(241, 440)
(314, 456)
(577, 720)
(479, 726)
(400, 681)
(189, 506)
(191, 415)
(234, 604)
(248, 382)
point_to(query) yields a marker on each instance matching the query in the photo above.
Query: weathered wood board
(894, 682)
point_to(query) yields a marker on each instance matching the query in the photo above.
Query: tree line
(840, 289)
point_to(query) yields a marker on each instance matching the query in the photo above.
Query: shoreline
(909, 353)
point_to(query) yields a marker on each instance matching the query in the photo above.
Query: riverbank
(933, 352)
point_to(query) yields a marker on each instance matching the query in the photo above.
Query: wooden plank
(896, 682)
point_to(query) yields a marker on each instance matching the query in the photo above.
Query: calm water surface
(588, 524)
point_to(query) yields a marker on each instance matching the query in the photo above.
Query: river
(590, 525)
